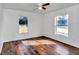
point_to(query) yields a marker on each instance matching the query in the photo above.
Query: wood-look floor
(38, 46)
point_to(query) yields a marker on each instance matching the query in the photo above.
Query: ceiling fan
(42, 6)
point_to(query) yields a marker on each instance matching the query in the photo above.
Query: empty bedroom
(39, 28)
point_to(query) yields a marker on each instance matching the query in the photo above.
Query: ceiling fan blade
(43, 8)
(35, 9)
(46, 4)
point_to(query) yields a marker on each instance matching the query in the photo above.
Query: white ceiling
(31, 7)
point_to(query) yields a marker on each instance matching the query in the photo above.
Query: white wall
(10, 25)
(1, 19)
(49, 26)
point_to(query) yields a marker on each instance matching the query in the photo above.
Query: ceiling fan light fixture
(40, 8)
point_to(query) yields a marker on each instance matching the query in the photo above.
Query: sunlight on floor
(38, 42)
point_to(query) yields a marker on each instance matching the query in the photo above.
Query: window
(23, 24)
(61, 25)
